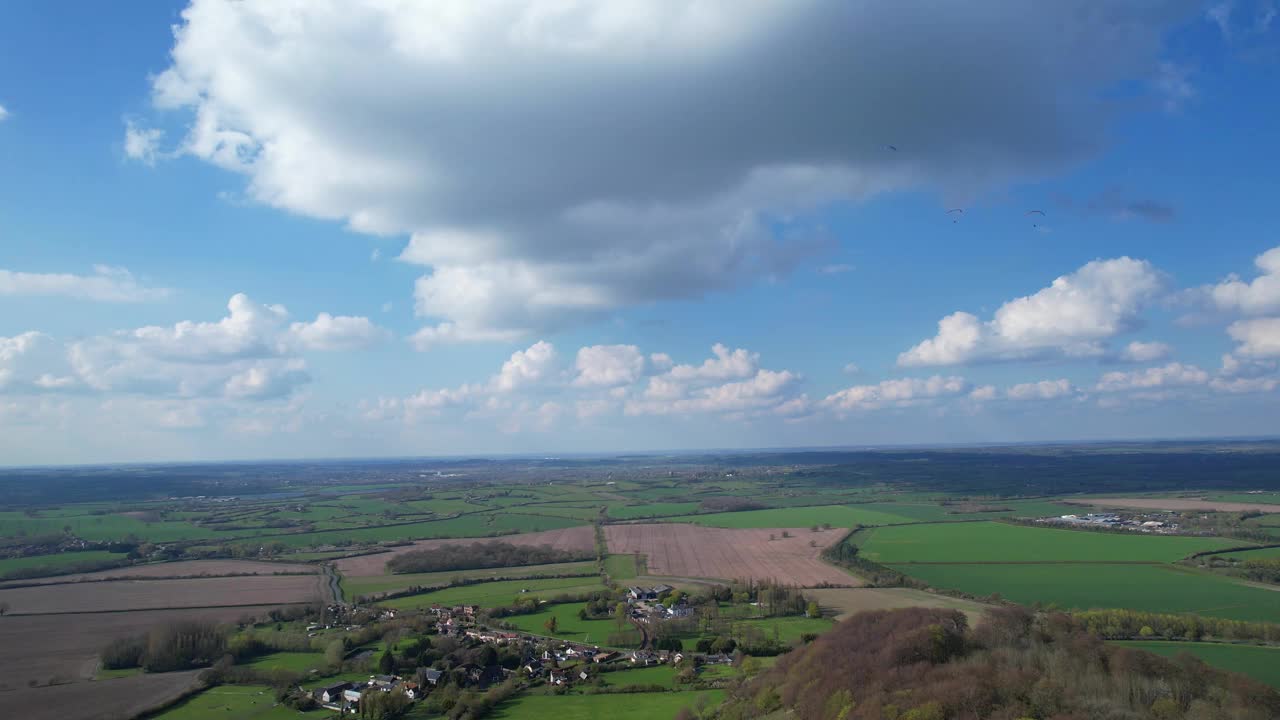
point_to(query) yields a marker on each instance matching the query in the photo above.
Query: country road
(334, 590)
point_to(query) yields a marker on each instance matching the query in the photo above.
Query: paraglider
(1035, 212)
(890, 147)
(955, 213)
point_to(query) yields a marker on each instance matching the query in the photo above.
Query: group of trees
(1124, 624)
(928, 664)
(479, 555)
(179, 645)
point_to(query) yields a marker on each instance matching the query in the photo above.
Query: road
(334, 594)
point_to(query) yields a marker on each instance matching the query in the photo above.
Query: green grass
(1260, 663)
(787, 630)
(1154, 588)
(620, 567)
(8, 565)
(382, 583)
(843, 516)
(999, 542)
(623, 706)
(663, 675)
(934, 512)
(569, 627)
(476, 525)
(101, 527)
(498, 594)
(628, 512)
(242, 702)
(1262, 554)
(299, 662)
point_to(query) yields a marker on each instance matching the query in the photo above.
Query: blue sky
(240, 230)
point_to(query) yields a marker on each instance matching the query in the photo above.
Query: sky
(238, 230)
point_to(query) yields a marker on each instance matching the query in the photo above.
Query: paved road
(331, 585)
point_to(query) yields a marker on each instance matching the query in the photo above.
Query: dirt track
(1178, 504)
(117, 595)
(580, 538)
(728, 554)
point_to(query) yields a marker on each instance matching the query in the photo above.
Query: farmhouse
(331, 694)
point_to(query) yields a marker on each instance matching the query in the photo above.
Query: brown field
(1177, 504)
(580, 538)
(184, 568)
(704, 552)
(65, 647)
(106, 700)
(117, 595)
(843, 602)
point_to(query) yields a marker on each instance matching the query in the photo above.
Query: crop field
(664, 675)
(581, 538)
(8, 565)
(1156, 503)
(365, 585)
(646, 510)
(1270, 553)
(118, 595)
(701, 552)
(498, 594)
(1155, 588)
(251, 702)
(620, 567)
(1260, 663)
(117, 699)
(935, 512)
(568, 626)
(843, 602)
(991, 542)
(621, 706)
(182, 569)
(41, 648)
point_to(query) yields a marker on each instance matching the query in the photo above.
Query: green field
(934, 512)
(8, 565)
(101, 527)
(382, 583)
(984, 542)
(1259, 663)
(569, 627)
(476, 525)
(620, 567)
(787, 630)
(623, 706)
(843, 516)
(299, 662)
(249, 702)
(629, 512)
(663, 675)
(1154, 588)
(1262, 554)
(498, 594)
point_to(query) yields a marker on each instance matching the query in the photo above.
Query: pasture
(56, 560)
(250, 702)
(365, 585)
(992, 542)
(1082, 586)
(1258, 662)
(1271, 553)
(498, 594)
(299, 662)
(569, 626)
(663, 675)
(622, 706)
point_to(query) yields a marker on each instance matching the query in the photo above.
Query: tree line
(480, 555)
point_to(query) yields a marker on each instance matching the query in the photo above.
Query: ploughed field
(119, 699)
(120, 595)
(675, 550)
(181, 569)
(580, 538)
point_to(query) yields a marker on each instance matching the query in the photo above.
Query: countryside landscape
(692, 585)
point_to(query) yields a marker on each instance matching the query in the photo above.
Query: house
(383, 682)
(533, 667)
(430, 676)
(643, 657)
(603, 657)
(331, 694)
(558, 677)
(679, 611)
(351, 695)
(676, 658)
(412, 690)
(582, 675)
(482, 676)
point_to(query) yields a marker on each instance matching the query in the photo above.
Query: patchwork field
(843, 602)
(42, 648)
(117, 595)
(182, 569)
(1260, 663)
(498, 594)
(992, 542)
(1156, 588)
(119, 699)
(702, 552)
(580, 538)
(622, 706)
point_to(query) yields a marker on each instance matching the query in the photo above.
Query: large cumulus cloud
(552, 161)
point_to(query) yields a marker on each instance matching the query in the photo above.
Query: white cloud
(984, 393)
(3, 113)
(836, 269)
(1172, 375)
(33, 361)
(851, 369)
(1240, 386)
(726, 364)
(528, 147)
(609, 365)
(142, 144)
(106, 284)
(896, 393)
(1261, 296)
(1072, 317)
(268, 380)
(526, 367)
(1173, 82)
(342, 332)
(1258, 337)
(1144, 352)
(1042, 390)
(450, 333)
